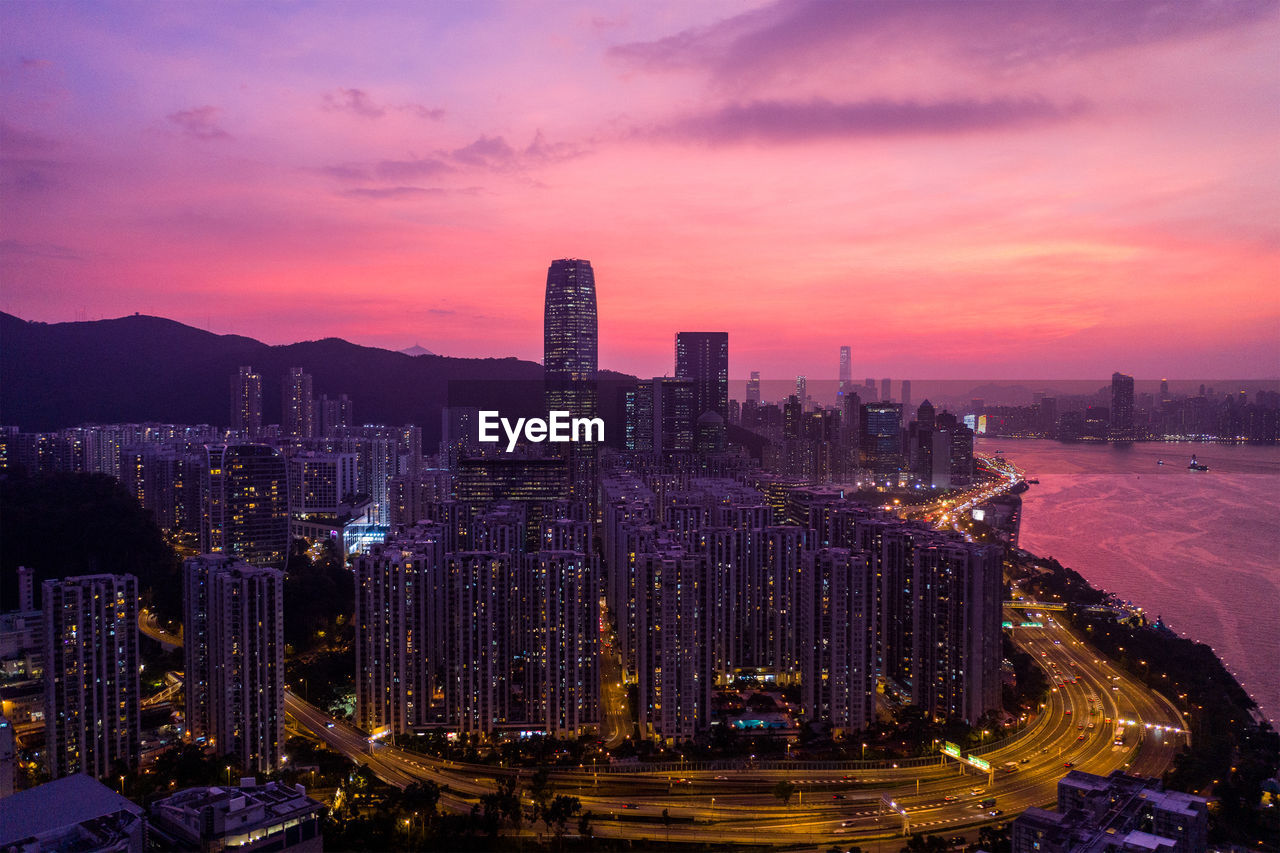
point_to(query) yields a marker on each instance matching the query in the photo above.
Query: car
(1080, 726)
(722, 778)
(950, 798)
(329, 724)
(995, 812)
(1068, 764)
(1057, 642)
(1068, 712)
(848, 823)
(837, 796)
(630, 806)
(1025, 761)
(1080, 738)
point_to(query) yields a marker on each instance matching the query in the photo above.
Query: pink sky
(954, 189)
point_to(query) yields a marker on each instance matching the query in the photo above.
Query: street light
(864, 752)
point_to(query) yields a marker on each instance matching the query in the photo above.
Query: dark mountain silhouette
(140, 368)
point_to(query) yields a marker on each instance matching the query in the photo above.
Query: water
(1200, 549)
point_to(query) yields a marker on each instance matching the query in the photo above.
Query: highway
(1077, 727)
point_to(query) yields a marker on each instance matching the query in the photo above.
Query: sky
(1000, 189)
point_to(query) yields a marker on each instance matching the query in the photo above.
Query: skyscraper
(885, 396)
(91, 674)
(1121, 407)
(846, 367)
(234, 657)
(906, 395)
(881, 439)
(569, 337)
(297, 409)
(704, 358)
(802, 389)
(245, 504)
(753, 387)
(246, 402)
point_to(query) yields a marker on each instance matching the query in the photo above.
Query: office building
(245, 503)
(846, 367)
(1101, 814)
(881, 441)
(1122, 422)
(753, 388)
(234, 658)
(885, 395)
(297, 408)
(802, 389)
(91, 674)
(569, 337)
(704, 358)
(906, 395)
(246, 402)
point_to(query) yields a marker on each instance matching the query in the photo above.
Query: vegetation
(64, 524)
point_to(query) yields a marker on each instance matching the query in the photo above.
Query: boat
(1196, 466)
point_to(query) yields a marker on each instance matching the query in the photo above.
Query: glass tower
(569, 336)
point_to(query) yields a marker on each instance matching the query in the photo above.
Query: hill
(142, 368)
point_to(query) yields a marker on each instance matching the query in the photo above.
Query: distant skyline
(952, 189)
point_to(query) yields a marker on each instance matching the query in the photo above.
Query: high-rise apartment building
(906, 395)
(333, 414)
(246, 402)
(91, 674)
(837, 627)
(885, 395)
(234, 658)
(297, 408)
(245, 503)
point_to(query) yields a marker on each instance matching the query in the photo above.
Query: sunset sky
(1010, 189)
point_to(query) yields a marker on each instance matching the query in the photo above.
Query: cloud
(413, 168)
(40, 250)
(16, 140)
(494, 152)
(392, 192)
(777, 38)
(361, 103)
(200, 123)
(795, 121)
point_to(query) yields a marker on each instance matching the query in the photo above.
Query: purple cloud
(414, 168)
(985, 32)
(200, 123)
(392, 192)
(361, 103)
(794, 121)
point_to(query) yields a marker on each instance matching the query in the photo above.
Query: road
(738, 806)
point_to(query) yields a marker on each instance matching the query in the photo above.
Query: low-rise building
(273, 816)
(76, 813)
(1100, 814)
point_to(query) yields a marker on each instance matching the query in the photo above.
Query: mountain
(141, 368)
(416, 350)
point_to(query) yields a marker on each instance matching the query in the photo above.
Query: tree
(783, 791)
(540, 791)
(556, 816)
(584, 825)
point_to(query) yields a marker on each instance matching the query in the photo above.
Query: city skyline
(1066, 200)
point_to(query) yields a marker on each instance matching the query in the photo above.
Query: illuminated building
(248, 817)
(837, 627)
(753, 388)
(846, 367)
(246, 402)
(91, 674)
(703, 357)
(245, 504)
(333, 414)
(482, 481)
(234, 658)
(881, 441)
(297, 407)
(673, 415)
(673, 655)
(569, 337)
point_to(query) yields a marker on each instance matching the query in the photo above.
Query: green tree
(783, 791)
